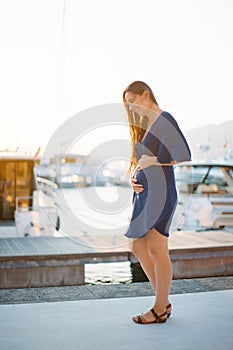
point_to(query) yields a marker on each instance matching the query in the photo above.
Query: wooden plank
(40, 246)
(73, 245)
(187, 239)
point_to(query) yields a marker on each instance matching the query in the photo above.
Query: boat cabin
(16, 180)
(205, 178)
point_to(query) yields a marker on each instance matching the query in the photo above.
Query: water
(100, 208)
(115, 273)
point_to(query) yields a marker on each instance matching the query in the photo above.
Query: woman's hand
(138, 188)
(145, 161)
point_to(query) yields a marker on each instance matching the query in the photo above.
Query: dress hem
(166, 234)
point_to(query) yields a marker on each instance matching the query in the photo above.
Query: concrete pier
(199, 321)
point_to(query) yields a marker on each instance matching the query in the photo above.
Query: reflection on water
(100, 209)
(114, 273)
(108, 273)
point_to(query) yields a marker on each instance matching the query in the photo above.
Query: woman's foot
(151, 317)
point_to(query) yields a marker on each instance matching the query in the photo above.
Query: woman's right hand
(138, 188)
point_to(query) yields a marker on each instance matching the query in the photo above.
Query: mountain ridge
(217, 136)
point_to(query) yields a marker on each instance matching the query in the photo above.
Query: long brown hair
(137, 123)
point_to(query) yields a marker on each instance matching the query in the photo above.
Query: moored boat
(23, 196)
(209, 186)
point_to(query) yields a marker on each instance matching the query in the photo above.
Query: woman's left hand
(145, 161)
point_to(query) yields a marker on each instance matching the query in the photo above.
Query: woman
(157, 144)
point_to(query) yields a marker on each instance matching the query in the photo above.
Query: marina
(69, 124)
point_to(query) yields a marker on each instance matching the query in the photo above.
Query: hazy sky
(61, 57)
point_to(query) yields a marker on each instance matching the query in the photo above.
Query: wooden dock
(59, 261)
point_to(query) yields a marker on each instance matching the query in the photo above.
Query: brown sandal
(158, 318)
(169, 310)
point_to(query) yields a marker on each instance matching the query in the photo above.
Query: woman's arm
(146, 161)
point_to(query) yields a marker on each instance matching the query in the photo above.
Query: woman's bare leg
(141, 251)
(157, 247)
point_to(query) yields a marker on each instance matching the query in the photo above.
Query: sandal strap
(140, 320)
(158, 317)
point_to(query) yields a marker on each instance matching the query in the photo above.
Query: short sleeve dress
(155, 206)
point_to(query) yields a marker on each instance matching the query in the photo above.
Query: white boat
(41, 218)
(209, 188)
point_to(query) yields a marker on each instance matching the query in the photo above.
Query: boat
(71, 171)
(39, 219)
(25, 197)
(16, 180)
(209, 187)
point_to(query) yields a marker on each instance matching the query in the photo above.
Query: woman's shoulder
(167, 117)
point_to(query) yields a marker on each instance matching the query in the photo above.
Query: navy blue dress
(155, 206)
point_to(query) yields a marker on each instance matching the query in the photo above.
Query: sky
(60, 57)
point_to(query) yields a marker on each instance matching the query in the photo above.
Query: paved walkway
(199, 321)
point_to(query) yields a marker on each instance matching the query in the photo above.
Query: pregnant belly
(152, 178)
(141, 177)
(147, 178)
